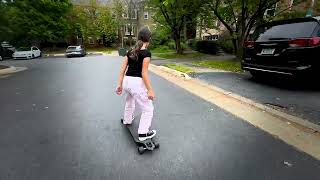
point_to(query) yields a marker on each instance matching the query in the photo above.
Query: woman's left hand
(119, 90)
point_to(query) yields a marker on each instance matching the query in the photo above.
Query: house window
(133, 29)
(128, 28)
(146, 15)
(134, 14)
(90, 39)
(125, 28)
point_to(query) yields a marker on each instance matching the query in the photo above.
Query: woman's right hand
(151, 95)
(119, 90)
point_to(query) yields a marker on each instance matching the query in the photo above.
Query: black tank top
(135, 65)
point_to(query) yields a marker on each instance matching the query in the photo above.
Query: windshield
(285, 31)
(72, 47)
(23, 49)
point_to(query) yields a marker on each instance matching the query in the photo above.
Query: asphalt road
(60, 119)
(297, 97)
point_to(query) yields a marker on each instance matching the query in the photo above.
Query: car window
(34, 48)
(285, 31)
(23, 49)
(72, 47)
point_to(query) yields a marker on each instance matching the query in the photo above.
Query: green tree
(93, 20)
(3, 21)
(33, 21)
(173, 14)
(240, 16)
(118, 11)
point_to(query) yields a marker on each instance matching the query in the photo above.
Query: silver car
(75, 51)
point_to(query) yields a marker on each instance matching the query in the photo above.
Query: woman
(134, 80)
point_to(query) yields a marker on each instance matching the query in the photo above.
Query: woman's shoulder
(145, 52)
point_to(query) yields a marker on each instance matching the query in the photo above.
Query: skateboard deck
(149, 144)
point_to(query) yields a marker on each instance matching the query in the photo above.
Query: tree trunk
(240, 48)
(177, 40)
(235, 45)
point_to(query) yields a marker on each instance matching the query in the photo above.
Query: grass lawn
(57, 51)
(230, 65)
(180, 68)
(162, 50)
(101, 49)
(180, 56)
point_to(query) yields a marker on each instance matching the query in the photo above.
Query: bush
(192, 43)
(160, 36)
(172, 45)
(160, 49)
(207, 47)
(226, 46)
(184, 46)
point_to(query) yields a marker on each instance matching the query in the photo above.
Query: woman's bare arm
(145, 77)
(121, 75)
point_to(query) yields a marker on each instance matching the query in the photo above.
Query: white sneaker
(149, 135)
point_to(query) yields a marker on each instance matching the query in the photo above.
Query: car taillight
(249, 44)
(305, 42)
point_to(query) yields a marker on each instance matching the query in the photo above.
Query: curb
(9, 70)
(174, 72)
(282, 115)
(12, 70)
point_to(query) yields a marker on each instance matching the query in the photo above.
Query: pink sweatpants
(137, 93)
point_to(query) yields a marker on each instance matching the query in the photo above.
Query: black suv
(5, 53)
(288, 47)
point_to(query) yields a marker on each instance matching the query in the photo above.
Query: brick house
(135, 17)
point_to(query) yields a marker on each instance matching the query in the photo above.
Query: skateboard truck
(149, 144)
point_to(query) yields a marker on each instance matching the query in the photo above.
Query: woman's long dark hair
(144, 36)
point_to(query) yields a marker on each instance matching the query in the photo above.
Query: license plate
(268, 51)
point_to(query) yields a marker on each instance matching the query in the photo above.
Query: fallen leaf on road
(17, 110)
(289, 123)
(278, 99)
(211, 109)
(287, 163)
(46, 107)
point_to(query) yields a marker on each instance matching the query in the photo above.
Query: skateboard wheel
(141, 149)
(157, 145)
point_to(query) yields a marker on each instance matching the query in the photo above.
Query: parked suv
(288, 47)
(5, 53)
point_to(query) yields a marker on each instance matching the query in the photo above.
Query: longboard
(147, 145)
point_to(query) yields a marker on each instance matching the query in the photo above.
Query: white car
(26, 53)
